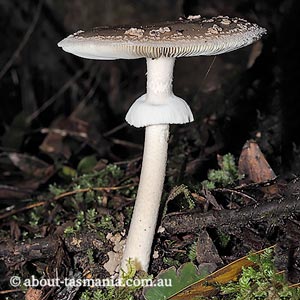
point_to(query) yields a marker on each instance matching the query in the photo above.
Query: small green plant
(88, 221)
(90, 255)
(122, 292)
(86, 188)
(69, 231)
(170, 262)
(55, 190)
(93, 295)
(99, 178)
(175, 280)
(261, 283)
(192, 252)
(106, 223)
(34, 218)
(105, 177)
(131, 271)
(90, 218)
(182, 189)
(109, 293)
(223, 238)
(226, 176)
(87, 191)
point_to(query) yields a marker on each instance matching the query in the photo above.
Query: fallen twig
(127, 144)
(255, 185)
(10, 291)
(47, 247)
(232, 219)
(234, 191)
(63, 195)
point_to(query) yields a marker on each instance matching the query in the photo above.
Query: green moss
(90, 220)
(226, 176)
(90, 255)
(55, 190)
(261, 283)
(123, 292)
(34, 218)
(103, 178)
(192, 252)
(184, 190)
(223, 238)
(170, 262)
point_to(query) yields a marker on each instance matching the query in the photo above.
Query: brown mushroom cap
(192, 36)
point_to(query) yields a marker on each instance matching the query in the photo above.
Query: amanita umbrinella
(160, 44)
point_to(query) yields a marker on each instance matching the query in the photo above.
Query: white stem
(144, 218)
(159, 80)
(155, 110)
(159, 105)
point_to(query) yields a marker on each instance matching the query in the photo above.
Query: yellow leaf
(208, 286)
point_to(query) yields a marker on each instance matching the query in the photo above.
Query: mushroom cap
(192, 36)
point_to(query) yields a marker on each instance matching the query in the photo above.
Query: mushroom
(160, 44)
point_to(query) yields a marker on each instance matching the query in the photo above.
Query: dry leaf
(33, 294)
(34, 173)
(207, 286)
(54, 141)
(253, 164)
(206, 250)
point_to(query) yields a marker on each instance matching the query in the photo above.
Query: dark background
(249, 93)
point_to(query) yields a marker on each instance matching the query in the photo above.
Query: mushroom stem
(155, 110)
(144, 218)
(159, 105)
(159, 80)
(143, 223)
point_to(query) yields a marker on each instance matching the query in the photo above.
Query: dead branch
(16, 252)
(273, 212)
